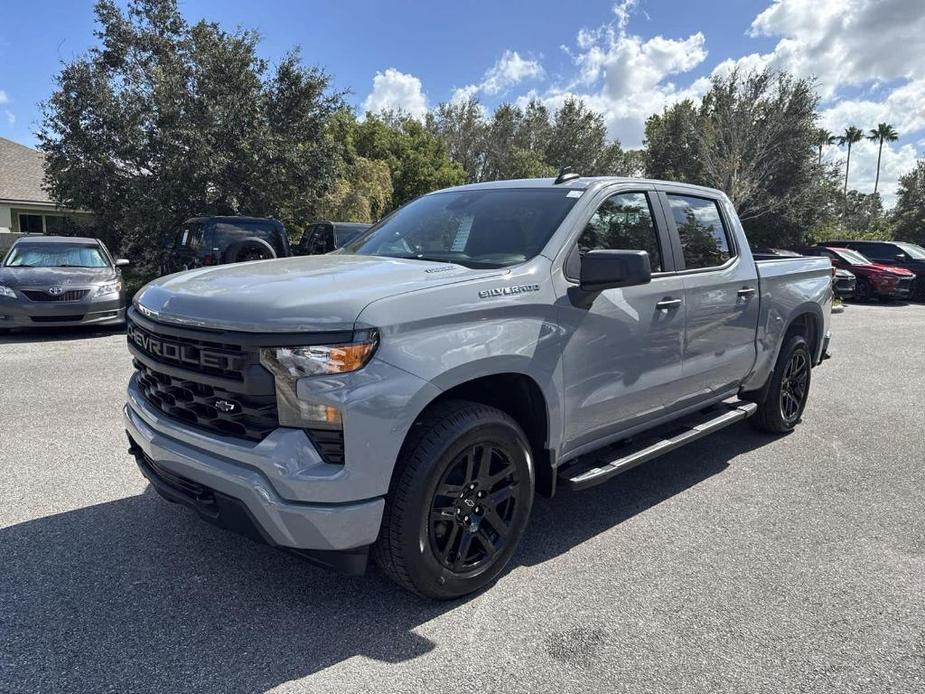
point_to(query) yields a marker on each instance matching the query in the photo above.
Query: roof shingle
(21, 173)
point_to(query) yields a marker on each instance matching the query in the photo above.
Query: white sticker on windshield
(574, 194)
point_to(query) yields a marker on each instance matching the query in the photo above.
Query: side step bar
(589, 470)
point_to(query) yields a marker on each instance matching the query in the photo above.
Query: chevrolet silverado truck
(407, 396)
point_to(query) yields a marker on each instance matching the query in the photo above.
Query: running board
(594, 468)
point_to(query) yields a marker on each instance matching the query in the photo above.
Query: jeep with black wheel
(205, 241)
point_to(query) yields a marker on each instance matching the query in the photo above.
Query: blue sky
(625, 59)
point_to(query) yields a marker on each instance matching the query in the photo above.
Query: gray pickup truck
(407, 395)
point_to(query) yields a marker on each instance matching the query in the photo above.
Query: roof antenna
(566, 174)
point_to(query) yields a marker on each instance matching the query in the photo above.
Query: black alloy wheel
(472, 509)
(253, 253)
(862, 291)
(459, 501)
(794, 388)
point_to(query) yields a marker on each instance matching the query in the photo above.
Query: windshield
(853, 257)
(475, 228)
(55, 255)
(913, 251)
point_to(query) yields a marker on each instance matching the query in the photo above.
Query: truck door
(623, 352)
(720, 294)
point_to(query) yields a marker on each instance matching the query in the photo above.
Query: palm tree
(884, 132)
(823, 139)
(849, 137)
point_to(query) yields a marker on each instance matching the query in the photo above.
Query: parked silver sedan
(59, 280)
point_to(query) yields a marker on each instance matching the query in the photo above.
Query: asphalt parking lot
(743, 563)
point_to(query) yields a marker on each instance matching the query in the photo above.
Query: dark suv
(220, 240)
(325, 237)
(893, 253)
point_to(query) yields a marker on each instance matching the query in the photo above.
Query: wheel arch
(806, 320)
(519, 395)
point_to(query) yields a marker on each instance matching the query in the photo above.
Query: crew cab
(873, 280)
(409, 394)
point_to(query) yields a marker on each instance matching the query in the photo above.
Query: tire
(451, 523)
(862, 290)
(783, 404)
(248, 249)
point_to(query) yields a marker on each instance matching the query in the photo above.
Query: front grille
(208, 407)
(202, 356)
(904, 284)
(69, 295)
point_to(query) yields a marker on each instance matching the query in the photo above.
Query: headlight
(6, 291)
(289, 364)
(108, 288)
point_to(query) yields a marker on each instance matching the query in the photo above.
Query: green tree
(824, 139)
(909, 212)
(163, 120)
(417, 159)
(672, 144)
(578, 138)
(463, 130)
(884, 132)
(849, 137)
(754, 137)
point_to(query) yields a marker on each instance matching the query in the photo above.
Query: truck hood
(306, 293)
(55, 276)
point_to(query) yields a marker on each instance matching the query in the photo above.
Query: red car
(873, 279)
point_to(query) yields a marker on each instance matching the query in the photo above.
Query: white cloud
(845, 42)
(510, 69)
(873, 48)
(626, 77)
(462, 94)
(872, 44)
(395, 90)
(4, 99)
(10, 116)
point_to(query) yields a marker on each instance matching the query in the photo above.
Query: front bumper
(894, 290)
(240, 496)
(22, 313)
(844, 287)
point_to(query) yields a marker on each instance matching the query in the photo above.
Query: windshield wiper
(432, 259)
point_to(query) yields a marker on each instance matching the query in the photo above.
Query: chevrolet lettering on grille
(167, 351)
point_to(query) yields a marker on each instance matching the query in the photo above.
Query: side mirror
(605, 269)
(122, 262)
(900, 256)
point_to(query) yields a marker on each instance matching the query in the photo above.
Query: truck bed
(788, 286)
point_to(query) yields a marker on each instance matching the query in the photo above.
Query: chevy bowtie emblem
(226, 406)
(55, 291)
(145, 311)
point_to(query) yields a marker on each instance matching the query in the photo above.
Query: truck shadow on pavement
(139, 595)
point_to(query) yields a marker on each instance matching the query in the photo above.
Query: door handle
(667, 303)
(746, 291)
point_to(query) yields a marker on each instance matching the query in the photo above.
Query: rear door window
(704, 238)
